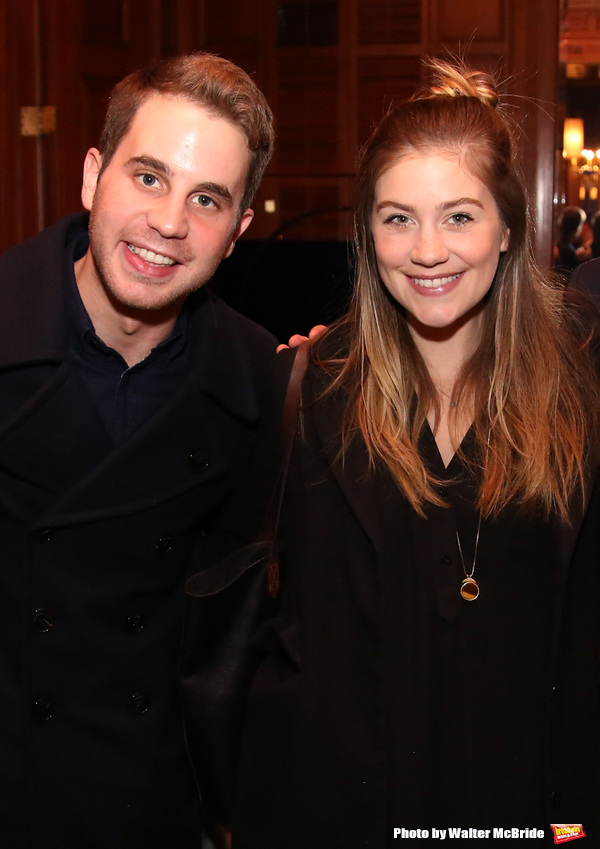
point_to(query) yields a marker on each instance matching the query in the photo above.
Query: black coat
(96, 546)
(586, 278)
(319, 745)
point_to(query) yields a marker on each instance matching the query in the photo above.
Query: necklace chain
(449, 397)
(460, 551)
(469, 588)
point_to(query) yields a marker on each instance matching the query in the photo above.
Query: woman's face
(438, 238)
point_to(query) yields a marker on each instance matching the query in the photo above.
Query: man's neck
(133, 333)
(133, 339)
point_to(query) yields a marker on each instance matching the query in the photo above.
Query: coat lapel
(45, 406)
(356, 481)
(48, 406)
(191, 439)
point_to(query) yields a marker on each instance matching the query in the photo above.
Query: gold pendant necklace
(469, 588)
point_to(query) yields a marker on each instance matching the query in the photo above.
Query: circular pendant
(469, 589)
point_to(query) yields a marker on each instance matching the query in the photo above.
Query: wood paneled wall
(328, 67)
(346, 61)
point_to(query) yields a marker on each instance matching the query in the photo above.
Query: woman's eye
(397, 219)
(461, 218)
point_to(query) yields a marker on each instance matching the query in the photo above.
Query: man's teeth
(150, 256)
(435, 282)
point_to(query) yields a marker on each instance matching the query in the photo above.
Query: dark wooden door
(67, 55)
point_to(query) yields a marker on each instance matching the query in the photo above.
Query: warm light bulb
(573, 136)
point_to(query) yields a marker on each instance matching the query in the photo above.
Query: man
(129, 401)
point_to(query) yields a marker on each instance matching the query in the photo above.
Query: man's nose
(168, 215)
(429, 247)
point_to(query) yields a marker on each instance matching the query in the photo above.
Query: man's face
(166, 210)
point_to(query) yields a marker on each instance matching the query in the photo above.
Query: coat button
(42, 710)
(198, 461)
(445, 558)
(134, 624)
(444, 493)
(42, 535)
(164, 544)
(41, 621)
(555, 799)
(138, 704)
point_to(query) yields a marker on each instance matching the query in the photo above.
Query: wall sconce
(582, 167)
(573, 138)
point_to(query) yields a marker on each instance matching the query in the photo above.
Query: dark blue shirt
(125, 396)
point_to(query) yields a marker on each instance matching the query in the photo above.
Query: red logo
(562, 833)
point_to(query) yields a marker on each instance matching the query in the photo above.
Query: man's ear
(91, 171)
(245, 220)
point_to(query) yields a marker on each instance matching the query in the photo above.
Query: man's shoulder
(47, 245)
(233, 324)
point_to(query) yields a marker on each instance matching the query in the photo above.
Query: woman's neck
(444, 353)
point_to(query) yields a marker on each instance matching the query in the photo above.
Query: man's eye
(148, 180)
(205, 201)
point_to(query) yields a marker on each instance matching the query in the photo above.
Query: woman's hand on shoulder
(297, 339)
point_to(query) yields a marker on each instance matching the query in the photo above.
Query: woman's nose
(429, 247)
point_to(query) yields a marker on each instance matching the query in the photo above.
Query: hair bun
(457, 80)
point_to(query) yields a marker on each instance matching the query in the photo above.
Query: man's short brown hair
(209, 81)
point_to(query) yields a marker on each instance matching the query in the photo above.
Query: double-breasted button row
(162, 545)
(42, 709)
(42, 620)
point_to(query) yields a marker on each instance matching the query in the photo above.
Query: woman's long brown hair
(531, 380)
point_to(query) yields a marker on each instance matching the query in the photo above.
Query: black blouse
(466, 743)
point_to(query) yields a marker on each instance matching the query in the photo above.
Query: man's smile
(150, 256)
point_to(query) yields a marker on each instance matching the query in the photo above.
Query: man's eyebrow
(162, 167)
(215, 189)
(151, 162)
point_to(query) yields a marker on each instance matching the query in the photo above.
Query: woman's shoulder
(333, 345)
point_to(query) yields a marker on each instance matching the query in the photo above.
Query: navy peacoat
(96, 544)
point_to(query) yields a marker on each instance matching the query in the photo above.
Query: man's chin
(149, 299)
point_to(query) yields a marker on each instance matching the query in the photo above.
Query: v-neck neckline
(434, 457)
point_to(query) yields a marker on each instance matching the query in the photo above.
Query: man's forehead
(175, 114)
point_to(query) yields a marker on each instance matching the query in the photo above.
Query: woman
(434, 664)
